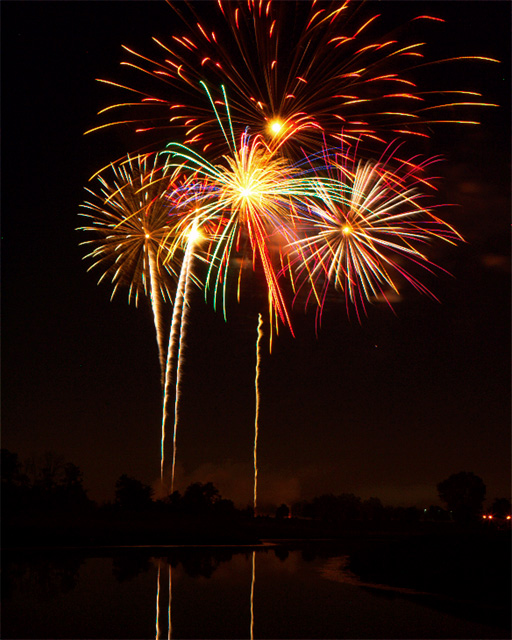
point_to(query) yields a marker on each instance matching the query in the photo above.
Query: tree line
(53, 484)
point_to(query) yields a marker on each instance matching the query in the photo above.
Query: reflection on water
(252, 592)
(164, 570)
(212, 593)
(164, 597)
(47, 575)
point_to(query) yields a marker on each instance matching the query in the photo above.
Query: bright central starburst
(195, 235)
(246, 192)
(247, 197)
(275, 126)
(249, 185)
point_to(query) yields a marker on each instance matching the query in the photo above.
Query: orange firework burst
(290, 69)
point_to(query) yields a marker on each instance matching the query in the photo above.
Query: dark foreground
(364, 585)
(463, 570)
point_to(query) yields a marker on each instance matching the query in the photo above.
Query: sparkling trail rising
(187, 265)
(172, 357)
(191, 235)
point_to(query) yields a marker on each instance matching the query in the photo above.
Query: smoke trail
(256, 419)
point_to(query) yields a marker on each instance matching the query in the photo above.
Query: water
(295, 594)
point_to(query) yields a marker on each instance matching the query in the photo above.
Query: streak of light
(253, 579)
(257, 414)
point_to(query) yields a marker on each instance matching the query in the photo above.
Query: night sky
(386, 408)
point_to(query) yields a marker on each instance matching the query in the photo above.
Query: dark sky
(388, 408)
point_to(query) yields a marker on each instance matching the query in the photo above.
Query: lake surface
(206, 592)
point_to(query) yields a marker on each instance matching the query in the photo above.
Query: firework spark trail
(188, 261)
(172, 358)
(257, 413)
(133, 229)
(253, 579)
(191, 235)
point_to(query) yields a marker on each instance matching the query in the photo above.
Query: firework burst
(247, 198)
(365, 221)
(133, 228)
(291, 69)
(263, 180)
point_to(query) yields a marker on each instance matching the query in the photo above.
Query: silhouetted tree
(247, 512)
(48, 483)
(407, 515)
(348, 507)
(330, 508)
(132, 494)
(174, 499)
(282, 512)
(437, 514)
(501, 507)
(463, 494)
(200, 498)
(299, 507)
(11, 469)
(50, 472)
(15, 484)
(70, 491)
(372, 509)
(224, 507)
(321, 508)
